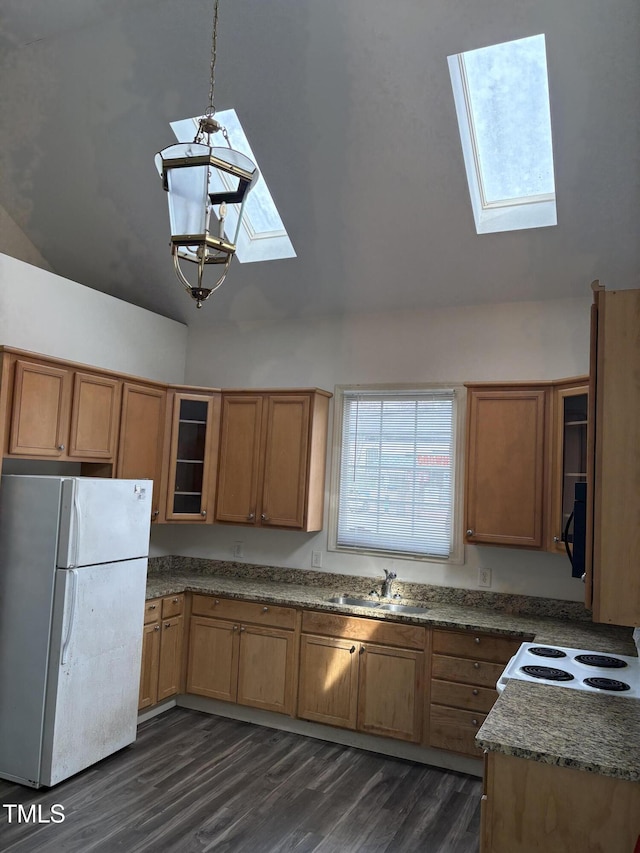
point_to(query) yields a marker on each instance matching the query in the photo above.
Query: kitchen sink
(354, 602)
(402, 608)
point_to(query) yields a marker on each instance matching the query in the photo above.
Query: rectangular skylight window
(262, 236)
(501, 96)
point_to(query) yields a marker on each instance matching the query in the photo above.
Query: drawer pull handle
(265, 609)
(152, 606)
(475, 722)
(475, 691)
(476, 665)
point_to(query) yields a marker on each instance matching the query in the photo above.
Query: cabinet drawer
(172, 605)
(152, 610)
(463, 695)
(243, 611)
(455, 730)
(465, 670)
(480, 646)
(354, 628)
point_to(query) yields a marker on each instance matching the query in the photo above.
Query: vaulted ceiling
(348, 107)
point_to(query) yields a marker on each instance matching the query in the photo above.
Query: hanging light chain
(214, 47)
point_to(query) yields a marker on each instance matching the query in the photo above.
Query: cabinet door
(141, 436)
(616, 465)
(328, 687)
(41, 403)
(149, 667)
(239, 459)
(505, 467)
(284, 486)
(193, 458)
(213, 658)
(569, 458)
(390, 692)
(95, 415)
(265, 669)
(170, 665)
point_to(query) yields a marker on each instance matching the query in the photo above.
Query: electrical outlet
(484, 577)
(316, 559)
(237, 550)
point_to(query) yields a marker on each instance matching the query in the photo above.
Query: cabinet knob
(264, 517)
(362, 650)
(235, 628)
(352, 650)
(556, 538)
(156, 627)
(167, 624)
(152, 606)
(61, 447)
(476, 665)
(242, 629)
(217, 601)
(476, 640)
(474, 722)
(251, 516)
(469, 532)
(203, 513)
(265, 609)
(475, 691)
(155, 513)
(175, 600)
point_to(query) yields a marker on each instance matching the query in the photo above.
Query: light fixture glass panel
(187, 199)
(508, 93)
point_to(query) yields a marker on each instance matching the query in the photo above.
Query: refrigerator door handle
(77, 524)
(73, 575)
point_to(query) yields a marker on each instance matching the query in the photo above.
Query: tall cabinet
(613, 496)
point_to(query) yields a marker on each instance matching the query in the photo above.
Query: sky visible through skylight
(508, 95)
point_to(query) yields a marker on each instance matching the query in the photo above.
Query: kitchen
(540, 333)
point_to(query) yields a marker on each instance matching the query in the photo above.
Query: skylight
(263, 236)
(501, 95)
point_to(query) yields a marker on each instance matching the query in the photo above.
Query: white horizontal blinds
(396, 472)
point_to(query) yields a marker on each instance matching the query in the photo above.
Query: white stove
(577, 669)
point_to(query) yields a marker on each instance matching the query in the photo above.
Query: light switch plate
(316, 559)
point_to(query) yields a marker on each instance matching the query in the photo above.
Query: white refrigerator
(73, 567)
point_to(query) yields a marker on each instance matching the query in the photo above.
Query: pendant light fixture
(201, 178)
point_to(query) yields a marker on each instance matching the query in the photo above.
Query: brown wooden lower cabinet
(237, 661)
(162, 643)
(529, 805)
(347, 680)
(465, 667)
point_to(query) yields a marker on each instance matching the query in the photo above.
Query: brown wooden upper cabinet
(140, 449)
(272, 458)
(59, 412)
(526, 449)
(193, 430)
(505, 465)
(613, 484)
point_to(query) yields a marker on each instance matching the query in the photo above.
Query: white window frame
(456, 555)
(512, 214)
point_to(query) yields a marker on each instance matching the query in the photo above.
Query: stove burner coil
(607, 684)
(603, 661)
(547, 652)
(548, 672)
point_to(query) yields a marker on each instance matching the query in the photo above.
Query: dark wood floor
(194, 782)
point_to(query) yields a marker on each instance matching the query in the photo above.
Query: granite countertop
(569, 728)
(552, 724)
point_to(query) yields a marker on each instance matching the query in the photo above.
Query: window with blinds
(396, 473)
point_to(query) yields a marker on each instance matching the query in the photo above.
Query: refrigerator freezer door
(94, 669)
(103, 520)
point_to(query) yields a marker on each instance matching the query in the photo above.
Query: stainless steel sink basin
(402, 608)
(354, 602)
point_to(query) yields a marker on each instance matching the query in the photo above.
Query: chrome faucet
(387, 584)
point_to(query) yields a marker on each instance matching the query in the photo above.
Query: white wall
(45, 313)
(516, 341)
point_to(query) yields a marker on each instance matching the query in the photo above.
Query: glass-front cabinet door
(570, 411)
(193, 457)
